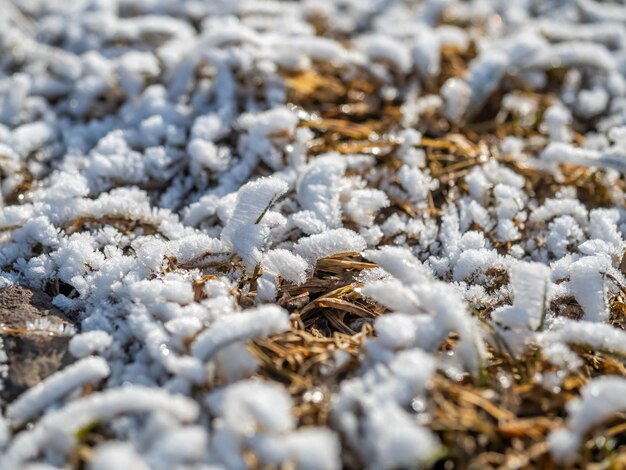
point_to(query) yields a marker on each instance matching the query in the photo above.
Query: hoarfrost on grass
(162, 178)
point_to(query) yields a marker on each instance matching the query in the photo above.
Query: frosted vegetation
(158, 166)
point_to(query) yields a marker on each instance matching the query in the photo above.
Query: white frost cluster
(258, 416)
(601, 399)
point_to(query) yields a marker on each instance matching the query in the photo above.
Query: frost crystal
(530, 283)
(600, 399)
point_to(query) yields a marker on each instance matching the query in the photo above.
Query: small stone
(32, 354)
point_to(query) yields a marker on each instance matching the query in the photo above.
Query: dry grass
(127, 225)
(499, 421)
(503, 419)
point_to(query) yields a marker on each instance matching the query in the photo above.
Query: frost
(564, 232)
(443, 308)
(381, 393)
(416, 183)
(596, 335)
(395, 439)
(456, 94)
(363, 205)
(285, 264)
(116, 453)
(172, 173)
(575, 54)
(384, 48)
(90, 342)
(587, 285)
(329, 243)
(530, 283)
(178, 446)
(600, 399)
(318, 191)
(244, 231)
(258, 414)
(248, 406)
(484, 77)
(234, 362)
(611, 157)
(309, 449)
(36, 399)
(56, 429)
(426, 54)
(239, 327)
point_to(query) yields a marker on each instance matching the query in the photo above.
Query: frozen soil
(320, 234)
